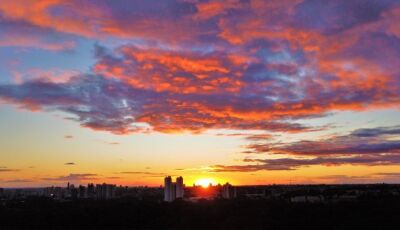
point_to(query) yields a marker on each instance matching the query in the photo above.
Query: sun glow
(205, 182)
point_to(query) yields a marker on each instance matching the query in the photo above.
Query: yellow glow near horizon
(205, 182)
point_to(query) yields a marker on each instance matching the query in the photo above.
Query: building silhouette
(82, 192)
(105, 191)
(168, 189)
(91, 192)
(173, 190)
(179, 187)
(228, 191)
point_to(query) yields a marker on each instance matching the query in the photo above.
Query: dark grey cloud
(376, 132)
(295, 163)
(360, 141)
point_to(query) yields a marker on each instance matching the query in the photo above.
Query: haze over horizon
(239, 91)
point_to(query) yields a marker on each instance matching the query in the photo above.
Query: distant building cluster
(98, 191)
(177, 190)
(173, 190)
(91, 191)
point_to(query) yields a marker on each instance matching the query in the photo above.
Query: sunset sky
(245, 91)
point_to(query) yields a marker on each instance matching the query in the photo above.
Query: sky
(240, 91)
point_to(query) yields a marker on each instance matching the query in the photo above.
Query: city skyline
(249, 92)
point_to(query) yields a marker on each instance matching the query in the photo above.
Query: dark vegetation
(42, 213)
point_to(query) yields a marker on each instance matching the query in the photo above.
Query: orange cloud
(173, 71)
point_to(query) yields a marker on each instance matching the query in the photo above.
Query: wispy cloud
(296, 163)
(109, 142)
(368, 147)
(144, 174)
(5, 169)
(113, 177)
(249, 137)
(73, 177)
(366, 178)
(19, 181)
(388, 174)
(360, 141)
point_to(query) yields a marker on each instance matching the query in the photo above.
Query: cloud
(196, 23)
(19, 181)
(362, 179)
(388, 174)
(110, 105)
(374, 132)
(5, 170)
(296, 163)
(26, 35)
(144, 174)
(98, 20)
(193, 66)
(367, 147)
(241, 65)
(110, 142)
(183, 72)
(259, 137)
(50, 75)
(360, 141)
(73, 177)
(113, 177)
(248, 137)
(97, 103)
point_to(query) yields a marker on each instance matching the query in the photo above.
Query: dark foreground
(41, 213)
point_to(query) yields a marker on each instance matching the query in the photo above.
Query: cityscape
(178, 191)
(177, 206)
(170, 192)
(199, 114)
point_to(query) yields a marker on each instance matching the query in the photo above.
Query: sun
(205, 182)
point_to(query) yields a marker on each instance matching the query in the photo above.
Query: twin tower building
(173, 190)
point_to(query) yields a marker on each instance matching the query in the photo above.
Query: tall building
(105, 191)
(91, 193)
(179, 187)
(228, 191)
(173, 190)
(82, 192)
(167, 188)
